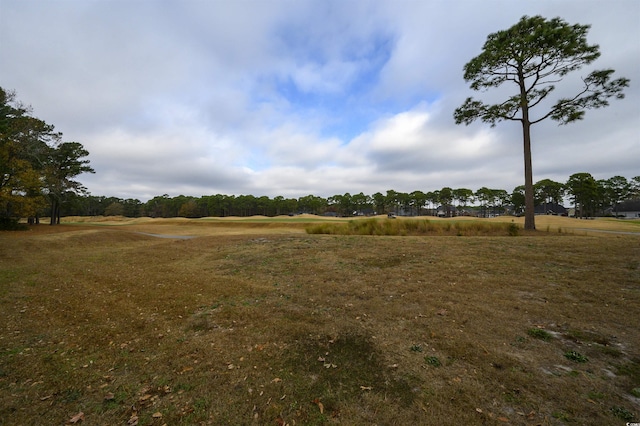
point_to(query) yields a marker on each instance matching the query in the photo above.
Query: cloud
(291, 97)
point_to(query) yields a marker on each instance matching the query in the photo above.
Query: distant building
(629, 209)
(551, 209)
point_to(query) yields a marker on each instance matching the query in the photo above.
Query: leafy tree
(462, 196)
(617, 189)
(379, 202)
(548, 191)
(635, 187)
(131, 207)
(66, 161)
(446, 197)
(433, 198)
(418, 201)
(114, 209)
(392, 200)
(584, 191)
(361, 202)
(502, 200)
(343, 204)
(517, 199)
(486, 198)
(189, 209)
(534, 54)
(23, 152)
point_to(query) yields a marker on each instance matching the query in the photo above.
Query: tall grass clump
(414, 227)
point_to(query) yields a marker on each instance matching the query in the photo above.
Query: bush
(11, 224)
(539, 333)
(413, 227)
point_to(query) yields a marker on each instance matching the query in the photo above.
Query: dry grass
(256, 322)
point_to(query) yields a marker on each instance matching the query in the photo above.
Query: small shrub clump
(575, 356)
(432, 361)
(539, 333)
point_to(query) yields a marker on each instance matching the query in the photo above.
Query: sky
(295, 97)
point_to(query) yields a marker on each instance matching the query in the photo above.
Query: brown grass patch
(273, 326)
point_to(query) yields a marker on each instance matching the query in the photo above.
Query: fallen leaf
(133, 420)
(321, 407)
(77, 418)
(157, 415)
(479, 410)
(442, 312)
(109, 397)
(276, 380)
(367, 388)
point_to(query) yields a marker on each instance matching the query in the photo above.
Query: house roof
(550, 207)
(628, 206)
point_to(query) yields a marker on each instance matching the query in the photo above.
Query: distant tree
(549, 191)
(131, 207)
(433, 198)
(379, 202)
(462, 196)
(445, 199)
(617, 189)
(502, 200)
(264, 205)
(418, 201)
(583, 189)
(486, 198)
(535, 54)
(361, 202)
(114, 209)
(316, 205)
(189, 209)
(392, 201)
(635, 187)
(517, 199)
(342, 203)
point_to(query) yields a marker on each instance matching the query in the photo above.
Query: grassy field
(255, 321)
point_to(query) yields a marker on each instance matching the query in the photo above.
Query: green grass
(539, 333)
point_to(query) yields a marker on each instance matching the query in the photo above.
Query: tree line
(37, 168)
(38, 171)
(590, 197)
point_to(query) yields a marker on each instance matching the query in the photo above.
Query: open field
(253, 321)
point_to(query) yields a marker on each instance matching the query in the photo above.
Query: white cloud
(300, 97)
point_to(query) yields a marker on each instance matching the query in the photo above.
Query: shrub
(539, 333)
(412, 227)
(11, 224)
(575, 356)
(432, 361)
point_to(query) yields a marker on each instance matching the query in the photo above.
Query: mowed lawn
(257, 322)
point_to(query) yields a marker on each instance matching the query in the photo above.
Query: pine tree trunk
(529, 203)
